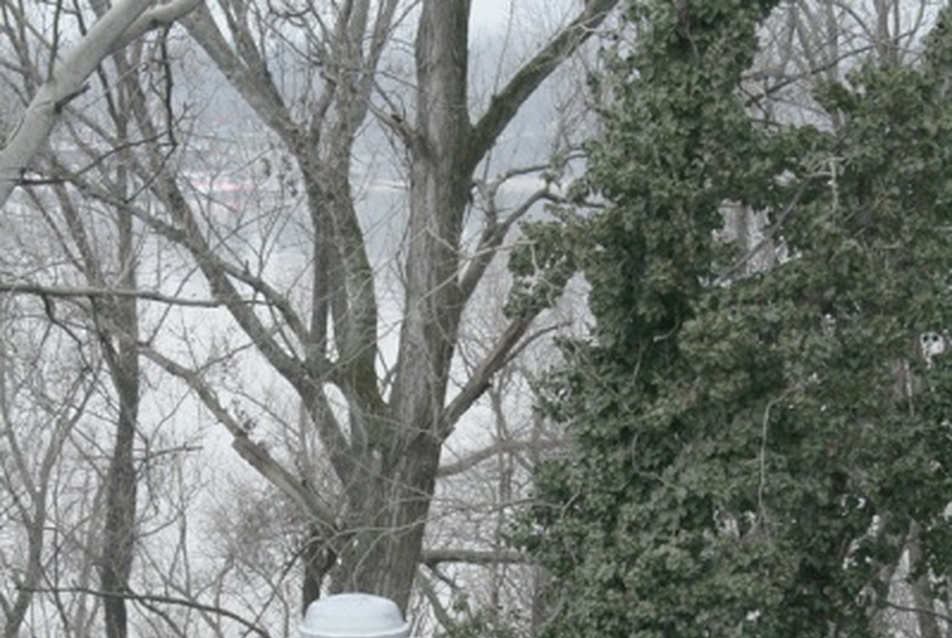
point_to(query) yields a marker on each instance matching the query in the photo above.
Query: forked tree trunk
(395, 492)
(386, 461)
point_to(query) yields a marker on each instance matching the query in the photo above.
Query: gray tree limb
(504, 106)
(40, 290)
(126, 20)
(433, 557)
(253, 453)
(505, 446)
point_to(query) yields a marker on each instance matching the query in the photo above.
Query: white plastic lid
(353, 616)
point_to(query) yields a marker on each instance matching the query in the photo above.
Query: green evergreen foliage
(750, 450)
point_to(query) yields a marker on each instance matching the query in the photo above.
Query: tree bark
(117, 324)
(445, 149)
(119, 531)
(383, 556)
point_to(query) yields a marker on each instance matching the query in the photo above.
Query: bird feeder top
(353, 615)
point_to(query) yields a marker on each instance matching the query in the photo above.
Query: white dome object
(353, 616)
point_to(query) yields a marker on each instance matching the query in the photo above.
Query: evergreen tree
(751, 452)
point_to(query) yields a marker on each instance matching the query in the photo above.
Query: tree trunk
(925, 609)
(119, 327)
(386, 461)
(117, 324)
(119, 531)
(398, 479)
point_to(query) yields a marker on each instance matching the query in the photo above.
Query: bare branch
(503, 107)
(184, 602)
(81, 291)
(769, 235)
(439, 610)
(493, 236)
(501, 353)
(252, 452)
(432, 557)
(65, 82)
(919, 610)
(504, 446)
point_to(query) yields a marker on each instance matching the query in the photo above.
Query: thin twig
(184, 602)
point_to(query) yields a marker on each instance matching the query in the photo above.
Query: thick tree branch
(252, 82)
(254, 453)
(342, 107)
(433, 557)
(439, 610)
(67, 81)
(492, 237)
(504, 105)
(482, 376)
(158, 17)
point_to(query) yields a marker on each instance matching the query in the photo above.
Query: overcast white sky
(491, 13)
(494, 14)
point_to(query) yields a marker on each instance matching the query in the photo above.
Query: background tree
(753, 453)
(98, 500)
(42, 402)
(397, 417)
(359, 451)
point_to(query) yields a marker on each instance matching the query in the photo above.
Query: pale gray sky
(487, 14)
(494, 14)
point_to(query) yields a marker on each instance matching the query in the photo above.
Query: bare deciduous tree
(386, 456)
(378, 415)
